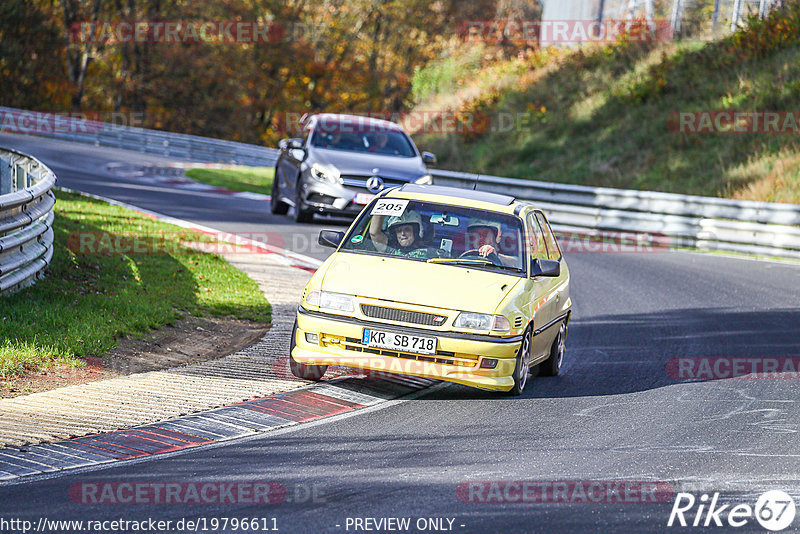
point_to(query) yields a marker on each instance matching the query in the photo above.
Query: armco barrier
(26, 220)
(167, 144)
(706, 223)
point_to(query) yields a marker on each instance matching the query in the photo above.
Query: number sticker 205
(389, 206)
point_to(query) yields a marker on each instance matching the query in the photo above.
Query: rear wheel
(276, 205)
(552, 365)
(302, 370)
(522, 368)
(301, 214)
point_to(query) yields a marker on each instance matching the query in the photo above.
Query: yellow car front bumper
(457, 359)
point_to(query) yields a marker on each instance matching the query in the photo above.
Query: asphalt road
(617, 413)
(85, 168)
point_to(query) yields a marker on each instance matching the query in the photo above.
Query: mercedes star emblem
(375, 184)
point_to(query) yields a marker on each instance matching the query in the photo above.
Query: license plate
(400, 342)
(363, 198)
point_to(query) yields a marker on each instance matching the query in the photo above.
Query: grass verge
(95, 294)
(247, 179)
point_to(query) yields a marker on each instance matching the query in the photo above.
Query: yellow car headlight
(327, 300)
(482, 321)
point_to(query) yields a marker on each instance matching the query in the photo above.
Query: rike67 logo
(774, 510)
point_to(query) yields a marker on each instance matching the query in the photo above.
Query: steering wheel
(474, 253)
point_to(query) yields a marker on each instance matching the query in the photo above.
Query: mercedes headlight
(482, 321)
(424, 180)
(330, 301)
(326, 173)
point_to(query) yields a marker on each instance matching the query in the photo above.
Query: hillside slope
(608, 115)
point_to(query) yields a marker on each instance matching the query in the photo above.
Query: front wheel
(522, 368)
(552, 365)
(276, 205)
(302, 370)
(301, 214)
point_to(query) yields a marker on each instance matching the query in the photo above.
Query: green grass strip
(115, 273)
(248, 179)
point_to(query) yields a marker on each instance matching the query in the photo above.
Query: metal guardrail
(26, 220)
(673, 220)
(167, 144)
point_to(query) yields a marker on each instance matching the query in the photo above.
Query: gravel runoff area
(117, 403)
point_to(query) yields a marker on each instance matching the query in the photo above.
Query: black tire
(302, 370)
(522, 369)
(301, 214)
(276, 205)
(552, 365)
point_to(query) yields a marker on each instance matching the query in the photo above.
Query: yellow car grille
(402, 316)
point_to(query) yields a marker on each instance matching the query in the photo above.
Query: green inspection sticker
(357, 239)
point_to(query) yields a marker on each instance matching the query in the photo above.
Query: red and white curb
(236, 421)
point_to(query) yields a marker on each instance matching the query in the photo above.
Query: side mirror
(543, 267)
(294, 142)
(298, 153)
(428, 158)
(330, 238)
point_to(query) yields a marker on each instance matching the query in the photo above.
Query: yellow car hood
(418, 282)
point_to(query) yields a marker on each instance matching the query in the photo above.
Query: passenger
(405, 236)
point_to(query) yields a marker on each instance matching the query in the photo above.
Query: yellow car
(438, 282)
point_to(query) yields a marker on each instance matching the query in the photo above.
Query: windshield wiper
(485, 263)
(459, 260)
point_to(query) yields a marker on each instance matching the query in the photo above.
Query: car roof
(357, 119)
(454, 195)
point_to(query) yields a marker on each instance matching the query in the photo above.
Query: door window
(553, 252)
(536, 242)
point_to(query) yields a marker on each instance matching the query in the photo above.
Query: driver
(405, 236)
(379, 142)
(482, 236)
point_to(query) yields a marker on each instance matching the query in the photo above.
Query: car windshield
(368, 140)
(439, 233)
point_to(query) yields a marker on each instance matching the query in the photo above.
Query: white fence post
(715, 17)
(737, 6)
(677, 14)
(648, 10)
